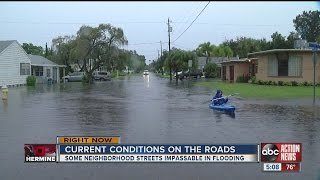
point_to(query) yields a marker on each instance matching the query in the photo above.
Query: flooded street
(149, 110)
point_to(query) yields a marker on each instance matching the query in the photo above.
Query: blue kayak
(223, 107)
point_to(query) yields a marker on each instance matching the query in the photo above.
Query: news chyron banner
(281, 157)
(81, 149)
(157, 153)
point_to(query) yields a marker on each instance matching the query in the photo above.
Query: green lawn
(261, 91)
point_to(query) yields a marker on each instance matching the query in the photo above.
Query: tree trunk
(177, 78)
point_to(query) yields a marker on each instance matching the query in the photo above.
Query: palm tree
(205, 49)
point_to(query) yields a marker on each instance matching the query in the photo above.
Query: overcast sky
(145, 22)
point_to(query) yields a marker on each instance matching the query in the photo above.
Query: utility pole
(315, 48)
(162, 68)
(169, 30)
(161, 47)
(314, 76)
(158, 55)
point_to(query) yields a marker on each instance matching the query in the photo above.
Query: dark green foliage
(31, 81)
(210, 70)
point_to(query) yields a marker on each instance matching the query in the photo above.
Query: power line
(192, 22)
(179, 28)
(147, 43)
(25, 22)
(77, 23)
(181, 46)
(155, 22)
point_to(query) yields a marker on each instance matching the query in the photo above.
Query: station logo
(269, 152)
(281, 152)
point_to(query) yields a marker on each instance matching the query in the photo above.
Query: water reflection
(5, 105)
(146, 79)
(220, 115)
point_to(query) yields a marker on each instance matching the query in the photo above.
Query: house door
(224, 71)
(231, 73)
(54, 74)
(252, 69)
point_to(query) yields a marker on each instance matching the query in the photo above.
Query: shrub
(242, 79)
(269, 83)
(210, 70)
(274, 83)
(253, 79)
(260, 82)
(280, 83)
(294, 83)
(31, 81)
(306, 83)
(287, 83)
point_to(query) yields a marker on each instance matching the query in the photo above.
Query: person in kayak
(218, 99)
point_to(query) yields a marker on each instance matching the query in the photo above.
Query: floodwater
(149, 110)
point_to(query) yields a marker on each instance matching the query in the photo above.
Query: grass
(261, 91)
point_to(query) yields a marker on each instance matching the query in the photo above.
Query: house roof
(41, 61)
(279, 50)
(217, 60)
(5, 44)
(238, 60)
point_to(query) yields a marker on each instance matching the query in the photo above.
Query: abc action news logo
(281, 152)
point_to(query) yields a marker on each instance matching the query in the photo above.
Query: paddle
(222, 97)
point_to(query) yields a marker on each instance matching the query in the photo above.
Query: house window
(295, 66)
(38, 70)
(283, 65)
(48, 73)
(24, 68)
(256, 68)
(272, 65)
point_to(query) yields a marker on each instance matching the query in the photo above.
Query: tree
(211, 70)
(307, 25)
(98, 46)
(32, 49)
(178, 59)
(160, 63)
(65, 51)
(222, 51)
(278, 41)
(241, 46)
(137, 61)
(205, 49)
(291, 38)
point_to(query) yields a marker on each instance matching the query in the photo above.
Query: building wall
(10, 60)
(240, 68)
(44, 78)
(307, 68)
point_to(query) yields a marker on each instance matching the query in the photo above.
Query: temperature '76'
(290, 166)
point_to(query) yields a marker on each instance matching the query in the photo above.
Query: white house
(15, 64)
(44, 69)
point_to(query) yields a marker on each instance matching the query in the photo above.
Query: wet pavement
(149, 110)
